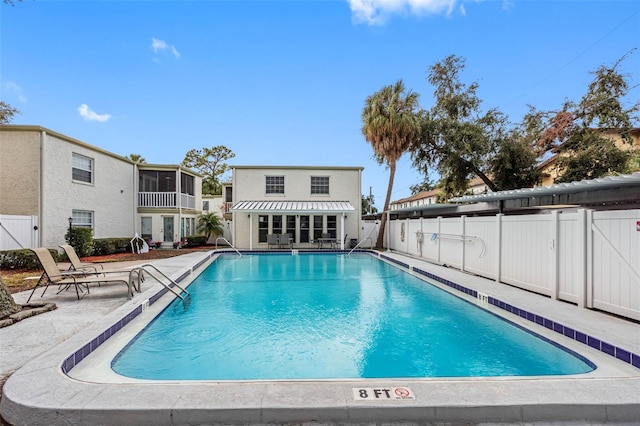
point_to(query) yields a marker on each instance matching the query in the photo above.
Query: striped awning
(293, 207)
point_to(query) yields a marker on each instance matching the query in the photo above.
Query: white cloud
(376, 12)
(89, 115)
(12, 87)
(507, 5)
(160, 45)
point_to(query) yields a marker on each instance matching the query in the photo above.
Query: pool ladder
(152, 270)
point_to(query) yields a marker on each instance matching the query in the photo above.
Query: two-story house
(304, 202)
(64, 182)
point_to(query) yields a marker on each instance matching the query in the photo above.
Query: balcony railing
(165, 200)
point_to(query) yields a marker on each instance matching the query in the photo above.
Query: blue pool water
(330, 316)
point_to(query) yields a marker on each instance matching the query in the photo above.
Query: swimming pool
(73, 383)
(331, 316)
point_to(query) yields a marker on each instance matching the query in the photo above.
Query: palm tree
(136, 158)
(209, 224)
(390, 124)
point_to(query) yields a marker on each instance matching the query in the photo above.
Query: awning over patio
(298, 207)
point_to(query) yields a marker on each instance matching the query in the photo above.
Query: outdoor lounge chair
(88, 268)
(78, 279)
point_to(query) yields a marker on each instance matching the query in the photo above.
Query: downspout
(179, 203)
(342, 232)
(134, 200)
(41, 221)
(250, 231)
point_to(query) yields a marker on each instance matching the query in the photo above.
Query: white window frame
(274, 184)
(82, 219)
(319, 185)
(76, 163)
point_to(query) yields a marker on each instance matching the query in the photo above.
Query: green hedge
(104, 246)
(196, 240)
(23, 259)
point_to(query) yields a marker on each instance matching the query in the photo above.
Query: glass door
(304, 229)
(167, 235)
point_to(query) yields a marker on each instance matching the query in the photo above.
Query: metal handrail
(368, 237)
(228, 243)
(143, 268)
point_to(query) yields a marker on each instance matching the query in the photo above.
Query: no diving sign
(373, 394)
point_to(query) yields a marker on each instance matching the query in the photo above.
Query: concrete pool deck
(40, 393)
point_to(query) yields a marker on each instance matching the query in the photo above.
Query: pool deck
(38, 392)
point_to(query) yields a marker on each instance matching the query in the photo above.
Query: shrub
(22, 259)
(81, 239)
(196, 240)
(104, 246)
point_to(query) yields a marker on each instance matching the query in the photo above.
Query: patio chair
(78, 279)
(272, 240)
(285, 240)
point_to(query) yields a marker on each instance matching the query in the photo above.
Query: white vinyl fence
(18, 232)
(590, 258)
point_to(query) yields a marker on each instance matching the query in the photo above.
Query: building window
(205, 206)
(82, 168)
(276, 224)
(146, 227)
(332, 225)
(187, 184)
(82, 218)
(157, 181)
(320, 185)
(263, 228)
(274, 185)
(291, 226)
(188, 225)
(317, 227)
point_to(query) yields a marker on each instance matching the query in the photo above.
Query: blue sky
(284, 82)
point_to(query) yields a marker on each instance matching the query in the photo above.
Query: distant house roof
(418, 196)
(293, 207)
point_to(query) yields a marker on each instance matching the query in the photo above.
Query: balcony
(166, 200)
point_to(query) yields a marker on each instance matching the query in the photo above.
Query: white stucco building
(51, 177)
(301, 201)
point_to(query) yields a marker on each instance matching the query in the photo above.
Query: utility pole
(370, 201)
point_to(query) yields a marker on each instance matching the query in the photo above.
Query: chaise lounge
(78, 279)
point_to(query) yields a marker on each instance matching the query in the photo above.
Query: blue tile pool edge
(619, 353)
(75, 358)
(593, 342)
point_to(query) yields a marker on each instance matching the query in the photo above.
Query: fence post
(583, 231)
(406, 235)
(438, 239)
(553, 246)
(499, 248)
(463, 223)
(586, 297)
